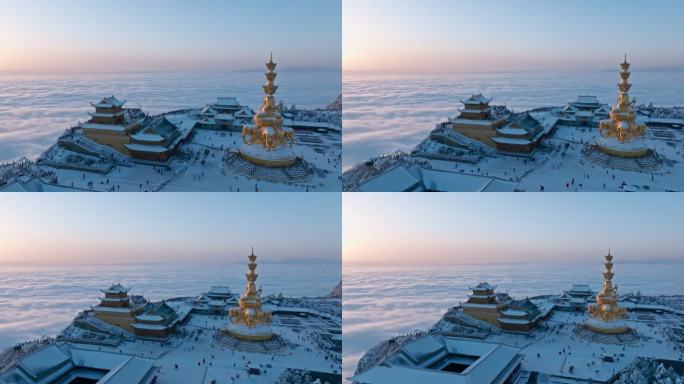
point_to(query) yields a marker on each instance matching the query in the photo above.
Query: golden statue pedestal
(260, 332)
(282, 156)
(613, 147)
(614, 327)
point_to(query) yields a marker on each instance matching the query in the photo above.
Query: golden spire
(249, 313)
(606, 307)
(267, 130)
(622, 124)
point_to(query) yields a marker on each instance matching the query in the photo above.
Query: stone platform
(283, 156)
(297, 172)
(648, 162)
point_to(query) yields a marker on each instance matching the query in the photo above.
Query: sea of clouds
(38, 301)
(36, 109)
(381, 302)
(387, 112)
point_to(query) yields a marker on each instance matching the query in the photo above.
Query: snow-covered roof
(43, 361)
(510, 140)
(147, 148)
(397, 179)
(104, 127)
(219, 290)
(586, 99)
(483, 285)
(494, 364)
(103, 114)
(227, 101)
(149, 137)
(109, 102)
(421, 348)
(435, 180)
(149, 327)
(116, 288)
(476, 99)
(133, 371)
(584, 288)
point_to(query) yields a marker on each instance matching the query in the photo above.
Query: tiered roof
(478, 99)
(109, 102)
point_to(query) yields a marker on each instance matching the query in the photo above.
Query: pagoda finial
(253, 250)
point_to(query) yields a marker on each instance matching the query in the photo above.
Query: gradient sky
(175, 227)
(505, 35)
(130, 35)
(453, 228)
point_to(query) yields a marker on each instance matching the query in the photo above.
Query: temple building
(226, 114)
(217, 299)
(267, 142)
(131, 133)
(577, 297)
(157, 141)
(111, 124)
(585, 111)
(431, 359)
(621, 134)
(118, 308)
(248, 321)
(478, 120)
(606, 316)
(519, 316)
(519, 137)
(156, 322)
(484, 304)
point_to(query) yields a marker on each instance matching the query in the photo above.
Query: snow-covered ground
(192, 354)
(382, 302)
(199, 165)
(556, 352)
(558, 164)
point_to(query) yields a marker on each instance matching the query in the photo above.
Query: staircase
(648, 163)
(300, 171)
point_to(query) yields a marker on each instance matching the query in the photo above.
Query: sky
(460, 228)
(174, 35)
(85, 228)
(504, 35)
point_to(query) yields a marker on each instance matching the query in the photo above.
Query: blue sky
(130, 35)
(500, 35)
(174, 227)
(453, 228)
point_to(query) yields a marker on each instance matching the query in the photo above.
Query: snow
(438, 180)
(397, 179)
(41, 362)
(147, 148)
(513, 312)
(422, 348)
(104, 127)
(151, 327)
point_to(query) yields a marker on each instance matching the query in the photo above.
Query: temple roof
(586, 99)
(227, 101)
(109, 102)
(476, 99)
(116, 288)
(483, 286)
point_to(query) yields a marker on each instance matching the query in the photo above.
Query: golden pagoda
(249, 321)
(606, 314)
(267, 142)
(621, 135)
